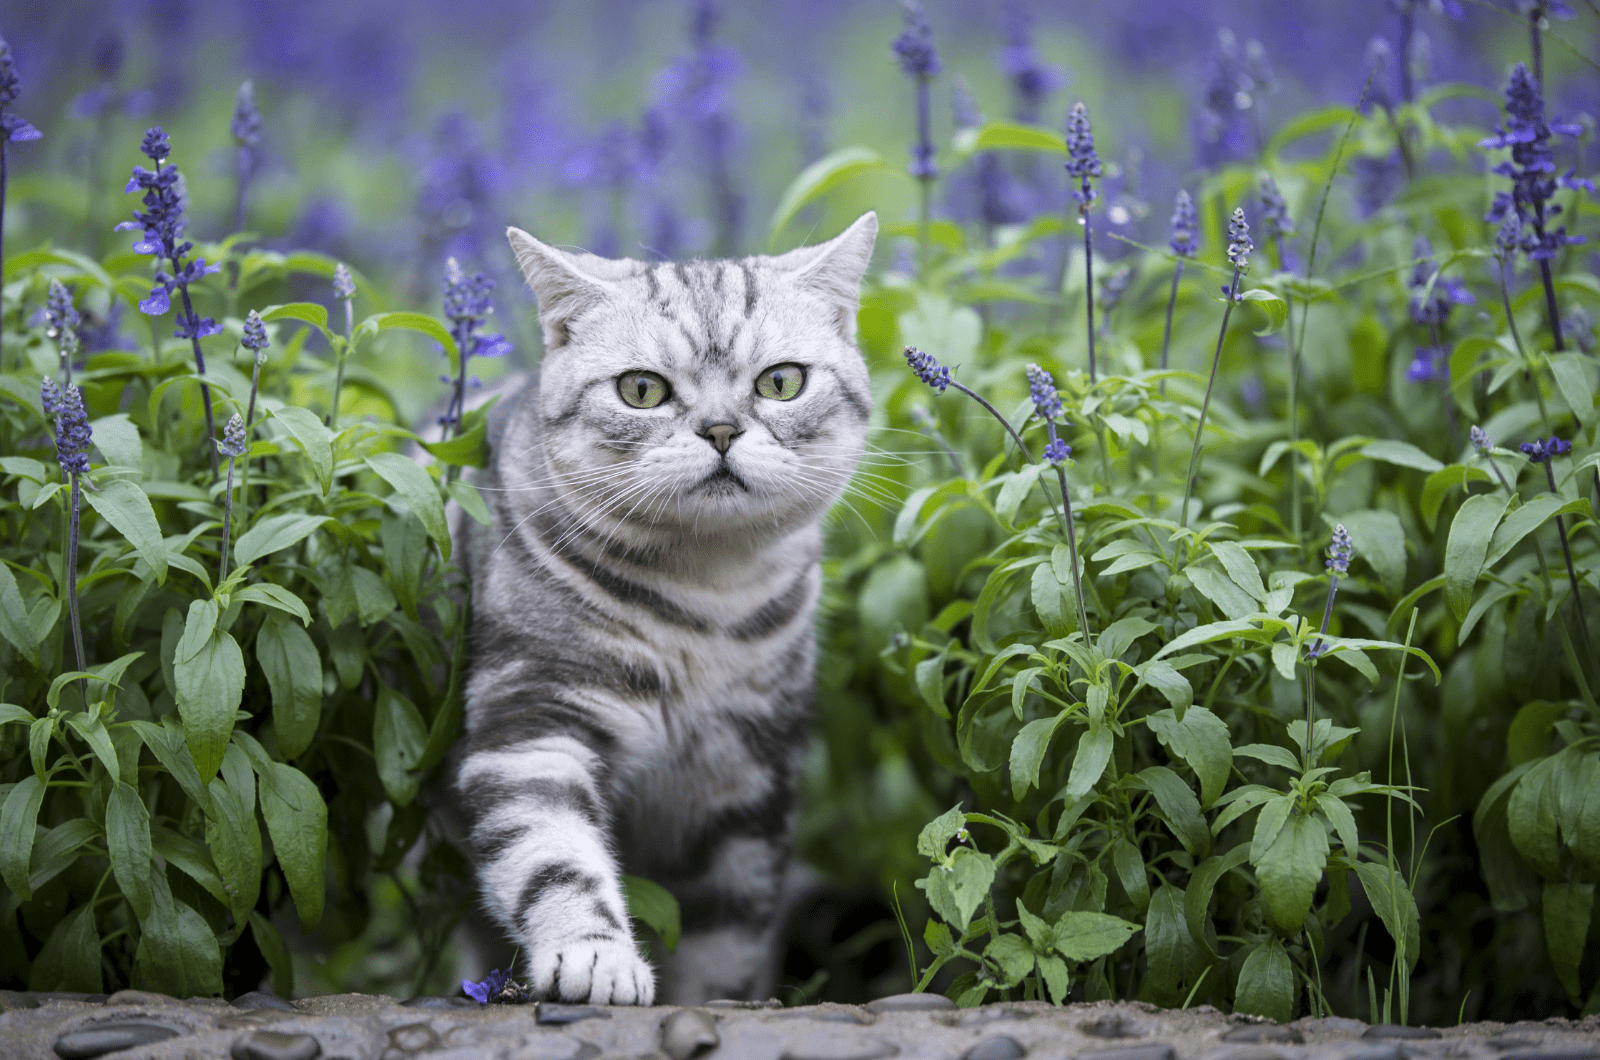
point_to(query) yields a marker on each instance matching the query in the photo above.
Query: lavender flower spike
(1042, 389)
(1541, 452)
(73, 440)
(467, 304)
(73, 436)
(1239, 244)
(920, 61)
(61, 324)
(1341, 551)
(1184, 223)
(255, 333)
(1083, 162)
(928, 369)
(343, 285)
(12, 128)
(246, 130)
(1480, 439)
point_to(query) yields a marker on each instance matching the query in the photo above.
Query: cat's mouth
(723, 480)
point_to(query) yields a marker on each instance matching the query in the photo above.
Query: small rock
(1154, 1051)
(1512, 1041)
(841, 1047)
(552, 1047)
(139, 997)
(411, 1039)
(1250, 1052)
(553, 1014)
(102, 1038)
(1264, 1032)
(256, 999)
(825, 1014)
(996, 1047)
(1380, 1052)
(1399, 1032)
(440, 1001)
(1111, 1027)
(688, 1032)
(1340, 1025)
(911, 1003)
(1564, 1051)
(68, 995)
(978, 1017)
(273, 1045)
(728, 1002)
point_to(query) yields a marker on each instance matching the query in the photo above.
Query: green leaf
(937, 833)
(1057, 980)
(270, 943)
(289, 659)
(1129, 865)
(1401, 454)
(654, 906)
(1266, 983)
(297, 822)
(1200, 739)
(1271, 754)
(955, 891)
(420, 493)
(1440, 483)
(314, 439)
(1009, 136)
(19, 817)
(70, 959)
(1241, 567)
(1571, 372)
(1567, 908)
(175, 759)
(311, 312)
(1275, 308)
(272, 534)
(418, 322)
(276, 597)
(1528, 518)
(471, 501)
(1011, 958)
(197, 630)
(1464, 552)
(15, 624)
(178, 954)
(398, 739)
(1094, 753)
(234, 838)
(1082, 936)
(1291, 869)
(1391, 899)
(1583, 834)
(1381, 541)
(1179, 808)
(470, 449)
(208, 690)
(818, 179)
(374, 599)
(1197, 896)
(125, 506)
(1222, 591)
(128, 840)
(117, 438)
(190, 858)
(1531, 815)
(1028, 750)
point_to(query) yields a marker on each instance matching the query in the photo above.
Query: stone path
(133, 1025)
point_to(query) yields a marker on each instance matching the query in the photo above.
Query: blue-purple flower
(162, 224)
(1341, 551)
(1083, 162)
(1042, 389)
(255, 332)
(1239, 244)
(233, 442)
(928, 369)
(1480, 439)
(12, 127)
(1275, 223)
(49, 397)
(1542, 452)
(496, 987)
(1183, 241)
(918, 55)
(467, 304)
(1032, 80)
(343, 285)
(1057, 452)
(1531, 167)
(245, 126)
(73, 436)
(59, 314)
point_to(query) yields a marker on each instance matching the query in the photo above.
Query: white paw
(599, 972)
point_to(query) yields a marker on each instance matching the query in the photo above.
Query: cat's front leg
(544, 858)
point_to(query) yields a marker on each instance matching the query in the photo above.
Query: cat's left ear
(834, 270)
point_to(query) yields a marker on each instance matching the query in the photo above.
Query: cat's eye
(643, 390)
(781, 382)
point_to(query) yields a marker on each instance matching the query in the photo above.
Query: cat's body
(642, 665)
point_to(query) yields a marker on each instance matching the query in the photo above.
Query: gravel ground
(133, 1025)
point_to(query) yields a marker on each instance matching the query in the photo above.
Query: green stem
(1205, 406)
(1088, 285)
(974, 395)
(1072, 545)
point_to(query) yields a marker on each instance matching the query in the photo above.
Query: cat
(642, 645)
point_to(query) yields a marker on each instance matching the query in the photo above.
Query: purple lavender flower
(918, 55)
(1275, 223)
(1042, 389)
(1057, 452)
(1183, 241)
(255, 332)
(964, 110)
(343, 286)
(1239, 248)
(1379, 57)
(1542, 452)
(1083, 162)
(59, 314)
(1531, 167)
(1578, 327)
(1032, 81)
(12, 127)
(497, 988)
(245, 127)
(233, 437)
(467, 304)
(50, 397)
(1426, 364)
(1377, 180)
(1341, 551)
(1480, 439)
(1434, 310)
(928, 369)
(73, 436)
(697, 88)
(1239, 77)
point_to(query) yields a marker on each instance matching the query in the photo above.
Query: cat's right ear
(564, 291)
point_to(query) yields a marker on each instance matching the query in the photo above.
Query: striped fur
(641, 678)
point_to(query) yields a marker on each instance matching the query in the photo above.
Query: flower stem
(974, 395)
(1072, 545)
(1088, 283)
(72, 584)
(1566, 550)
(925, 214)
(338, 372)
(1205, 406)
(200, 369)
(227, 524)
(1516, 338)
(1166, 332)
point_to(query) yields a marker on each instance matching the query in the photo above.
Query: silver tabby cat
(642, 652)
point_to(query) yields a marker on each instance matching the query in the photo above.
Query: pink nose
(720, 435)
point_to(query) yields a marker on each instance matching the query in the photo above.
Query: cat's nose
(720, 435)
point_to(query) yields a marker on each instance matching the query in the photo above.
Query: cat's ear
(564, 290)
(834, 269)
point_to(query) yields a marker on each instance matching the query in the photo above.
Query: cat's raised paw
(596, 971)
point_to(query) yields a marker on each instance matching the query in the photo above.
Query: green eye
(643, 390)
(781, 382)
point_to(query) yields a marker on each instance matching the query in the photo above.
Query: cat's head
(701, 396)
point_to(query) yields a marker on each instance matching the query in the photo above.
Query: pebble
(1576, 1051)
(996, 1047)
(1249, 1052)
(256, 999)
(826, 1014)
(552, 1014)
(1264, 1032)
(978, 1017)
(840, 1047)
(911, 1003)
(688, 1032)
(1511, 1041)
(140, 997)
(1154, 1051)
(439, 1001)
(274, 1045)
(1380, 1052)
(411, 1039)
(1399, 1032)
(102, 1038)
(550, 1047)
(1112, 1027)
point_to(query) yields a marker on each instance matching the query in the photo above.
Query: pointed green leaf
(19, 817)
(655, 907)
(314, 439)
(297, 821)
(1084, 936)
(128, 840)
(1266, 983)
(124, 505)
(398, 738)
(209, 689)
(1200, 739)
(419, 492)
(273, 534)
(818, 179)
(178, 954)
